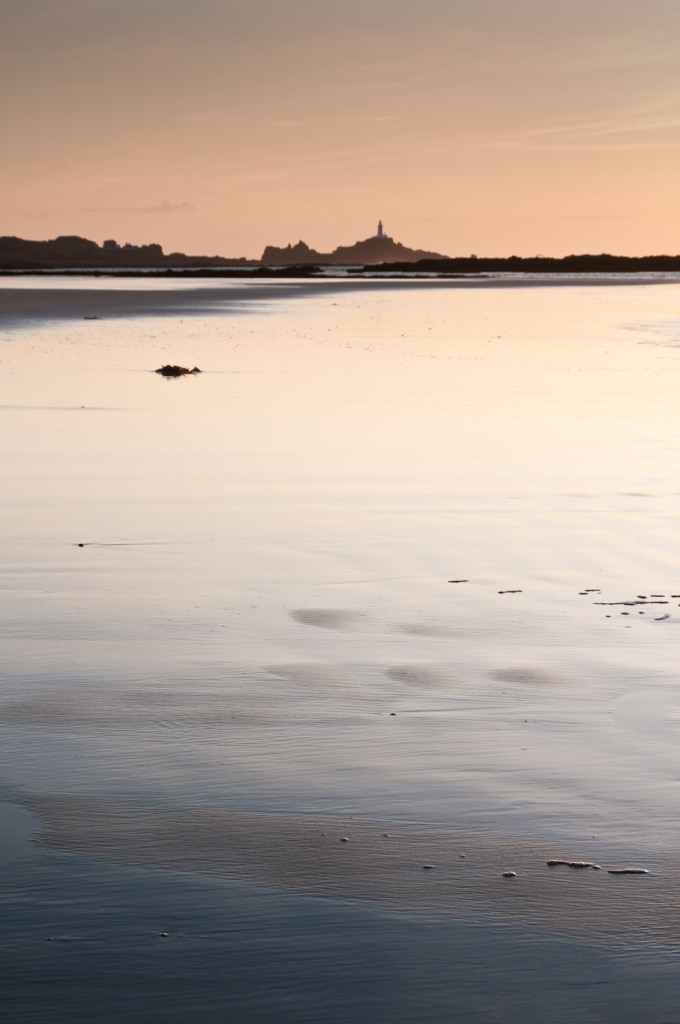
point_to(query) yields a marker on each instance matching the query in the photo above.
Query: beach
(314, 660)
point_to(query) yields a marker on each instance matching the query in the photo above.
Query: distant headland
(71, 252)
(378, 254)
(380, 248)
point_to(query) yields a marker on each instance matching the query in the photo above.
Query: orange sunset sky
(218, 126)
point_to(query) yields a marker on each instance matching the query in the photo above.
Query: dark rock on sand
(176, 371)
(628, 871)
(573, 864)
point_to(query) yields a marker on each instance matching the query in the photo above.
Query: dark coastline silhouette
(71, 253)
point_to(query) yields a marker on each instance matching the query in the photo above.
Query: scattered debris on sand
(176, 371)
(573, 864)
(628, 604)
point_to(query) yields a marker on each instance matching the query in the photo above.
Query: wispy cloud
(163, 207)
(624, 130)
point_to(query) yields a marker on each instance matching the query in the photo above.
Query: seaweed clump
(176, 371)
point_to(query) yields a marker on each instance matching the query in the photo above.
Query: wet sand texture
(525, 677)
(318, 678)
(18, 304)
(378, 862)
(37, 302)
(425, 677)
(335, 618)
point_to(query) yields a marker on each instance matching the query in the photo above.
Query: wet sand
(160, 297)
(233, 639)
(50, 303)
(17, 829)
(402, 866)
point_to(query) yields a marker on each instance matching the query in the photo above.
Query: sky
(494, 127)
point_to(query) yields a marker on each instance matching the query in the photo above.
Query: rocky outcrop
(71, 252)
(371, 251)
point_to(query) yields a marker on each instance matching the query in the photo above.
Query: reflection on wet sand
(382, 862)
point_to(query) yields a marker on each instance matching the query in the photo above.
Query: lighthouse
(380, 232)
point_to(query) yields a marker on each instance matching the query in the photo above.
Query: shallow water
(233, 593)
